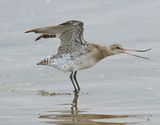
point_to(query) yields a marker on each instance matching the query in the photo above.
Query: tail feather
(44, 62)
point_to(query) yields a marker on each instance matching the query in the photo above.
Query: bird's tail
(46, 60)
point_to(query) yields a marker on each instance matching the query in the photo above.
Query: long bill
(126, 52)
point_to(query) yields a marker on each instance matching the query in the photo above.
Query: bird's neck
(99, 52)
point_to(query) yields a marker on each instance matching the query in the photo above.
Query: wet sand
(120, 90)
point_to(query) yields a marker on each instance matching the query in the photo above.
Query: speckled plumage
(75, 53)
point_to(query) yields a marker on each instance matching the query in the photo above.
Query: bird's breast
(72, 62)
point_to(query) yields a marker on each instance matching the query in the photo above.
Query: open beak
(126, 52)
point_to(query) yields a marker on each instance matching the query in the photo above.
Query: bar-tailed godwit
(75, 53)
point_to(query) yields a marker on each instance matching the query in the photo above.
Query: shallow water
(119, 90)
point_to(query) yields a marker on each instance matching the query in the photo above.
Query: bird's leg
(75, 73)
(71, 77)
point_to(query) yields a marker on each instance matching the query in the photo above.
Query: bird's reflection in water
(74, 107)
(76, 117)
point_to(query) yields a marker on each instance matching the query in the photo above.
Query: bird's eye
(118, 47)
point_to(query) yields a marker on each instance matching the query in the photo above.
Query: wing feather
(70, 33)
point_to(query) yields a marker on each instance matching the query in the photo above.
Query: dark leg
(75, 73)
(71, 77)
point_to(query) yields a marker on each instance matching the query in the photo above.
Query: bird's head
(117, 49)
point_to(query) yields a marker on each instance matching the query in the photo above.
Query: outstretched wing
(70, 33)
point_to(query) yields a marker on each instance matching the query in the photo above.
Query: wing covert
(70, 34)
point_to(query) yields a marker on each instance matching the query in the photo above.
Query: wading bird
(74, 53)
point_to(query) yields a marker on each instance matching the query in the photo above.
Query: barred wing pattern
(70, 33)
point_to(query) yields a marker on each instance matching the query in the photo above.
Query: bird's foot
(76, 91)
